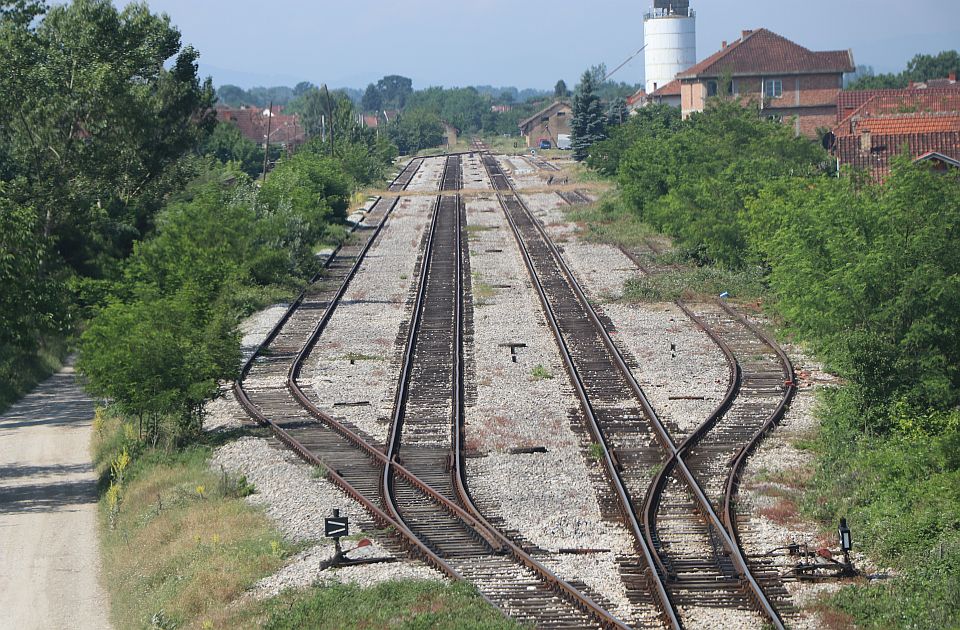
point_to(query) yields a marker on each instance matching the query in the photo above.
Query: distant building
(922, 121)
(548, 123)
(500, 109)
(792, 83)
(669, 94)
(254, 124)
(451, 135)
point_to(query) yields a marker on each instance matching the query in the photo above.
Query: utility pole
(330, 115)
(266, 142)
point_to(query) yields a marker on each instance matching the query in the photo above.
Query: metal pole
(266, 142)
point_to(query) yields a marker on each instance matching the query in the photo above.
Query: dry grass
(184, 545)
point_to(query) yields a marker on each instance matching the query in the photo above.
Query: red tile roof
(910, 124)
(670, 89)
(904, 105)
(876, 155)
(763, 52)
(253, 124)
(850, 100)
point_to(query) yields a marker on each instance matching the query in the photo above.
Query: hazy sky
(527, 43)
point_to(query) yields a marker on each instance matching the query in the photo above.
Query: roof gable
(763, 52)
(544, 112)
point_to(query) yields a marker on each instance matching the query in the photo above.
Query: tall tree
(394, 90)
(98, 105)
(372, 99)
(560, 89)
(588, 121)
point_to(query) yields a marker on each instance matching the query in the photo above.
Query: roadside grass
(696, 283)
(19, 374)
(182, 544)
(608, 220)
(408, 604)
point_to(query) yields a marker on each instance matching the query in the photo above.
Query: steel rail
(738, 461)
(496, 540)
(664, 437)
(658, 590)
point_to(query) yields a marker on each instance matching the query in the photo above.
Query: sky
(524, 43)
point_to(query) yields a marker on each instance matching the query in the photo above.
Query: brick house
(548, 123)
(792, 84)
(886, 123)
(285, 130)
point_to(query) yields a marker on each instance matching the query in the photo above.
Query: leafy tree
(560, 89)
(416, 129)
(394, 91)
(372, 99)
(587, 125)
(303, 87)
(232, 95)
(95, 120)
(227, 144)
(920, 68)
(693, 179)
(645, 125)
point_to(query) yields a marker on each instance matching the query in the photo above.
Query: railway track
(676, 514)
(762, 384)
(436, 524)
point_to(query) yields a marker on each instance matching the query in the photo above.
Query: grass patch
(610, 221)
(540, 373)
(474, 230)
(696, 283)
(900, 493)
(397, 604)
(182, 543)
(482, 291)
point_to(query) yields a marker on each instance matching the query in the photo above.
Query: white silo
(670, 36)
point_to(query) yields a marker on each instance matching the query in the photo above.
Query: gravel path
(771, 483)
(48, 511)
(353, 366)
(298, 502)
(547, 497)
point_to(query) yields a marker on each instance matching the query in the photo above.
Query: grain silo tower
(670, 36)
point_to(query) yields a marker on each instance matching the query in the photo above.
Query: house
(500, 109)
(924, 122)
(850, 100)
(791, 83)
(255, 125)
(548, 123)
(669, 94)
(451, 135)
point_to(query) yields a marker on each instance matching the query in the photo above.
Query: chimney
(724, 44)
(746, 34)
(953, 77)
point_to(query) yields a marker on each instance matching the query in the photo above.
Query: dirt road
(49, 562)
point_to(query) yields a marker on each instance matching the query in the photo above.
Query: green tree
(227, 144)
(372, 99)
(560, 89)
(99, 105)
(394, 91)
(416, 129)
(587, 125)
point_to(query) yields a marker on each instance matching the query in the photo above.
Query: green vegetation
(399, 604)
(539, 373)
(415, 130)
(588, 125)
(179, 543)
(920, 68)
(864, 273)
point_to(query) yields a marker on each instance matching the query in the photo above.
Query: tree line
(131, 224)
(864, 273)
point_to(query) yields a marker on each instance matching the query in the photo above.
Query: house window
(777, 118)
(711, 88)
(773, 88)
(561, 114)
(545, 119)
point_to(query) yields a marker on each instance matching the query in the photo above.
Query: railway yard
(472, 392)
